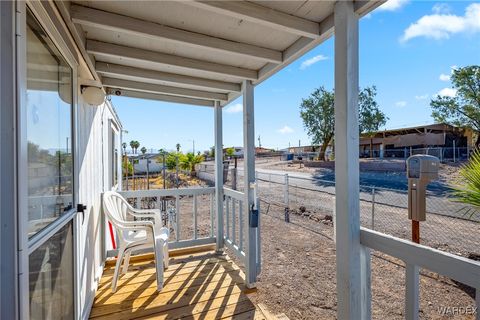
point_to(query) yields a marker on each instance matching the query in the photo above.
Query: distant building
(262, 150)
(401, 142)
(140, 160)
(303, 149)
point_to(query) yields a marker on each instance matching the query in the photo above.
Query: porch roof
(195, 52)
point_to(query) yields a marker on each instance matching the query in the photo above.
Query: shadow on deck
(199, 285)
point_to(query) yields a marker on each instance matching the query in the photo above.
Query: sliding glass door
(50, 146)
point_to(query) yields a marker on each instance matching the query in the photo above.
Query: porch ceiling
(197, 52)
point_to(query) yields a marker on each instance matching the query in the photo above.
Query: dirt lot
(298, 276)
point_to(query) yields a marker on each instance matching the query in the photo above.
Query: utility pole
(193, 141)
(259, 142)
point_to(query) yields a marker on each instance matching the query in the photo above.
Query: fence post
(366, 283)
(286, 199)
(477, 299)
(234, 178)
(453, 150)
(373, 208)
(411, 291)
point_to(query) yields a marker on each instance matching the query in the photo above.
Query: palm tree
(132, 145)
(143, 150)
(178, 147)
(189, 161)
(137, 145)
(467, 190)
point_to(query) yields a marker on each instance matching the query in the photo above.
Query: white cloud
(234, 108)
(422, 97)
(286, 129)
(441, 26)
(401, 104)
(444, 77)
(447, 92)
(307, 63)
(393, 5)
(441, 8)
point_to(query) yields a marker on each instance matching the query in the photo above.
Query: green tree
(318, 115)
(370, 115)
(230, 152)
(178, 146)
(137, 145)
(212, 152)
(171, 159)
(462, 110)
(143, 150)
(189, 161)
(467, 189)
(127, 168)
(132, 145)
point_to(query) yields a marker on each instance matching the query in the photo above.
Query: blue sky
(407, 50)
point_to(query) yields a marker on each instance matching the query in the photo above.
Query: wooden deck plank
(218, 308)
(217, 280)
(174, 263)
(146, 275)
(197, 286)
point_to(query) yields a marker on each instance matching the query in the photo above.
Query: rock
(302, 209)
(308, 254)
(278, 285)
(328, 217)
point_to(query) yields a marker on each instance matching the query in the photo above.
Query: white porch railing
(415, 256)
(234, 221)
(182, 210)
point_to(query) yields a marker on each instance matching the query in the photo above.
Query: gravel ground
(298, 276)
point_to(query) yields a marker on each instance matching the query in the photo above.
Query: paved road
(391, 192)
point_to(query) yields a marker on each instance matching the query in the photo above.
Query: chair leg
(126, 261)
(159, 263)
(121, 252)
(165, 255)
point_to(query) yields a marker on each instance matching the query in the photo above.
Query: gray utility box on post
(421, 169)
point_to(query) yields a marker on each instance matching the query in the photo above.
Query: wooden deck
(198, 285)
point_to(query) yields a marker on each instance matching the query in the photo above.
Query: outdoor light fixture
(93, 95)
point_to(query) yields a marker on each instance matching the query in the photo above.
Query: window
(51, 277)
(49, 130)
(114, 143)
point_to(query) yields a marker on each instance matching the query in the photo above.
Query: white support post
(219, 176)
(477, 303)
(13, 245)
(366, 274)
(347, 209)
(411, 291)
(249, 178)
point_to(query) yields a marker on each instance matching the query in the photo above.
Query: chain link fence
(447, 227)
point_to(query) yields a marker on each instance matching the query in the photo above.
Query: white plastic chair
(136, 235)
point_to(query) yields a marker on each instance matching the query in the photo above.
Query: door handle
(81, 209)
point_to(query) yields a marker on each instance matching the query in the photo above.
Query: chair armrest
(144, 213)
(136, 225)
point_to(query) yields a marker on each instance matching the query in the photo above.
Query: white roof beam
(158, 88)
(128, 53)
(119, 23)
(262, 15)
(116, 70)
(160, 97)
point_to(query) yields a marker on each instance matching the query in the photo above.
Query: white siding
(94, 178)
